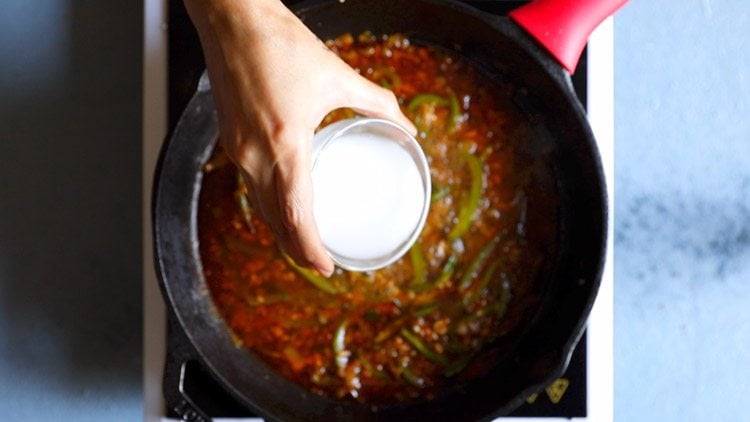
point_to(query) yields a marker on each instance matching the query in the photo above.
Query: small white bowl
(401, 234)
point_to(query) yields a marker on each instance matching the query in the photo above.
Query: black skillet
(505, 52)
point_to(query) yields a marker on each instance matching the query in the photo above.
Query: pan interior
(560, 135)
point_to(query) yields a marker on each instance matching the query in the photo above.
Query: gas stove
(176, 385)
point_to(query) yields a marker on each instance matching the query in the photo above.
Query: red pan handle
(563, 26)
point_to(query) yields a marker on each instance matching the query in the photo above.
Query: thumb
(371, 100)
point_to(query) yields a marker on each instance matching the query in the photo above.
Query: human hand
(273, 81)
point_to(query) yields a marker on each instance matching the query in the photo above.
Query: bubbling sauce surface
(434, 317)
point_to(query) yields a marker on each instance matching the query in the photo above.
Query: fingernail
(324, 270)
(413, 128)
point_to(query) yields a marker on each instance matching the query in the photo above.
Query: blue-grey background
(682, 211)
(70, 210)
(70, 201)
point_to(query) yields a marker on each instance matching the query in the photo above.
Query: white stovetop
(601, 117)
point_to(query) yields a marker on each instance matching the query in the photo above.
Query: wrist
(211, 16)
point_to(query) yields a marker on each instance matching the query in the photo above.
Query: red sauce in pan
(410, 329)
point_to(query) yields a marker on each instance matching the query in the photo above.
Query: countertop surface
(682, 211)
(70, 210)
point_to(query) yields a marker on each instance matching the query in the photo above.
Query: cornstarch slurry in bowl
(369, 196)
(371, 189)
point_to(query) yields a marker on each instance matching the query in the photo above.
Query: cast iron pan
(504, 51)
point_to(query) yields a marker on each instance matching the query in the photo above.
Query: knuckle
(282, 140)
(238, 150)
(243, 156)
(277, 130)
(292, 216)
(389, 96)
(389, 101)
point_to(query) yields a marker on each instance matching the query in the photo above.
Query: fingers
(295, 198)
(284, 197)
(367, 98)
